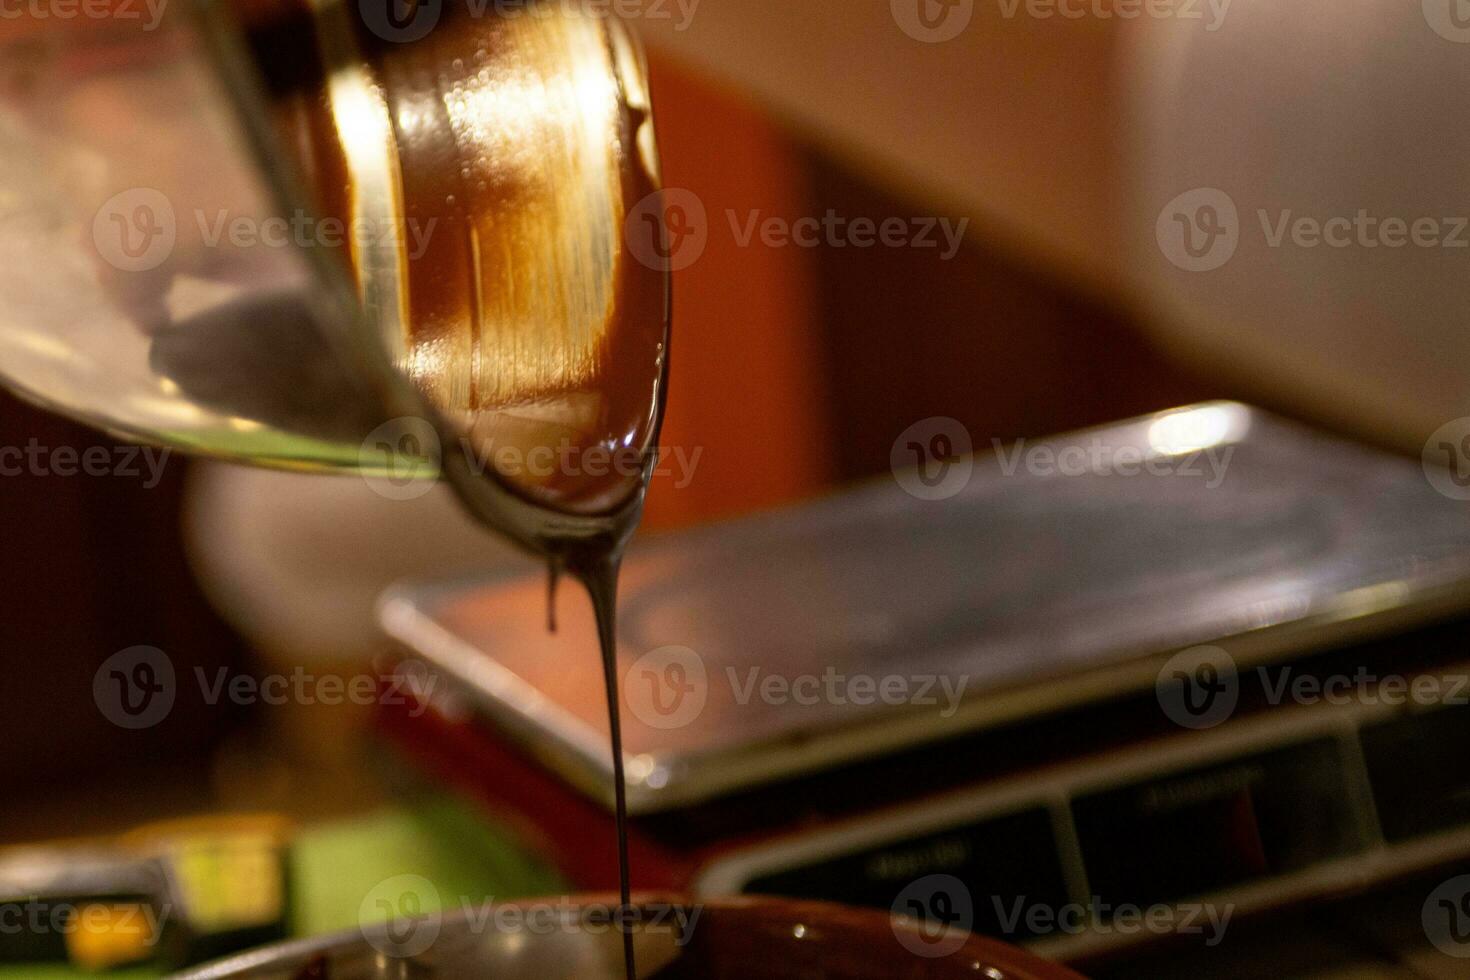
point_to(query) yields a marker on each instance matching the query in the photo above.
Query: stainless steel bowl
(565, 939)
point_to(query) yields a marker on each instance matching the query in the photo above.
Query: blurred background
(1050, 139)
(796, 369)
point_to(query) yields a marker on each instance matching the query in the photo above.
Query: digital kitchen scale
(778, 739)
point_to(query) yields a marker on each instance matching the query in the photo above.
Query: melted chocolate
(516, 153)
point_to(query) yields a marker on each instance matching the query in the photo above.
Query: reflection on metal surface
(1036, 590)
(374, 193)
(746, 937)
(518, 146)
(1193, 430)
(121, 148)
(490, 166)
(556, 940)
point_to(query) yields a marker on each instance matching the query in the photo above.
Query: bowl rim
(1013, 962)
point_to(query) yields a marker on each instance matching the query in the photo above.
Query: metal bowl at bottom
(579, 939)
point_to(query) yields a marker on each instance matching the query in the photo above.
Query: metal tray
(1034, 588)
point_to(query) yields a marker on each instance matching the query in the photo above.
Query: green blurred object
(336, 866)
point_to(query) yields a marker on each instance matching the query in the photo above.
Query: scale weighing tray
(1035, 589)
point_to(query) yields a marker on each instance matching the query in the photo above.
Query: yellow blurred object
(227, 870)
(165, 833)
(105, 936)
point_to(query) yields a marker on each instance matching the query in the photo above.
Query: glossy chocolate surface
(491, 168)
